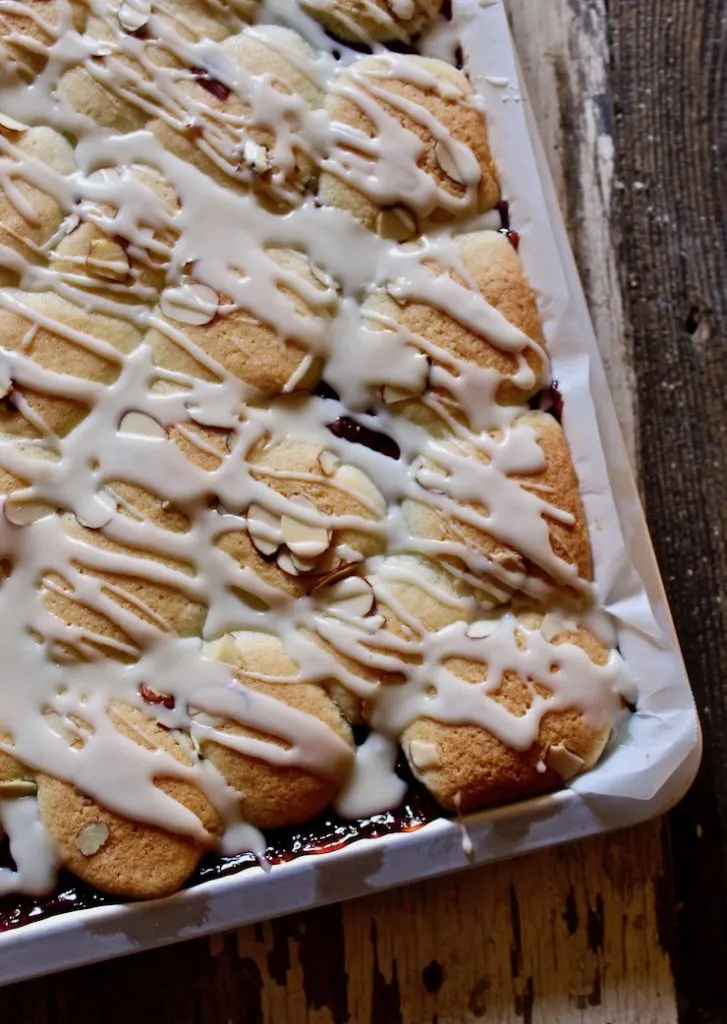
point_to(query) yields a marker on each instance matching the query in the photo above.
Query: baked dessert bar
(287, 525)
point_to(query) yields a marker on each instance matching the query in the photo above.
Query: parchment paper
(664, 732)
(656, 750)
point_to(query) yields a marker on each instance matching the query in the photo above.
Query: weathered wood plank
(564, 56)
(570, 935)
(670, 93)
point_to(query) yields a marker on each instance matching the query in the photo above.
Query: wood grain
(670, 98)
(631, 102)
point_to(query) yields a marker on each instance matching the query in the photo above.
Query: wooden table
(631, 98)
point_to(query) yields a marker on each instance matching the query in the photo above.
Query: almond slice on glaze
(141, 425)
(358, 485)
(255, 156)
(11, 125)
(424, 755)
(223, 649)
(329, 462)
(353, 597)
(264, 529)
(564, 762)
(333, 574)
(134, 14)
(551, 626)
(23, 512)
(190, 303)
(391, 395)
(6, 378)
(482, 628)
(92, 837)
(285, 562)
(445, 159)
(304, 540)
(396, 224)
(303, 565)
(108, 260)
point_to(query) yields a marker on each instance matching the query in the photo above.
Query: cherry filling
(324, 390)
(152, 697)
(325, 833)
(513, 237)
(503, 208)
(212, 85)
(351, 430)
(549, 400)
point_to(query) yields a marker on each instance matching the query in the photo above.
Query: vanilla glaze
(215, 238)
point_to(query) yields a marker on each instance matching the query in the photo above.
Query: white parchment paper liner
(657, 750)
(663, 733)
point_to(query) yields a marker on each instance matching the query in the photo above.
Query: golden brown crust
(556, 484)
(345, 492)
(135, 860)
(569, 541)
(273, 796)
(149, 602)
(24, 236)
(126, 107)
(241, 344)
(366, 20)
(472, 769)
(28, 28)
(464, 123)
(496, 271)
(280, 55)
(89, 258)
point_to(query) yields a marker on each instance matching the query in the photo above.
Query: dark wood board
(669, 87)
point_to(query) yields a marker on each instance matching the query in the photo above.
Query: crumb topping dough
(267, 464)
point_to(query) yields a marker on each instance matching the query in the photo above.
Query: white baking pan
(655, 757)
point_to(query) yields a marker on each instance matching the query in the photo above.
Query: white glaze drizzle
(217, 238)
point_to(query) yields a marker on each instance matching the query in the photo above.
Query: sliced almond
(141, 425)
(107, 259)
(445, 158)
(321, 277)
(353, 597)
(396, 223)
(134, 14)
(482, 628)
(329, 462)
(393, 293)
(264, 529)
(551, 626)
(334, 574)
(190, 303)
(14, 789)
(358, 485)
(11, 125)
(6, 379)
(305, 540)
(423, 755)
(285, 562)
(391, 395)
(564, 762)
(92, 837)
(255, 156)
(23, 512)
(303, 565)
(224, 649)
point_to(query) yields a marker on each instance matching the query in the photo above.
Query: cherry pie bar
(290, 525)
